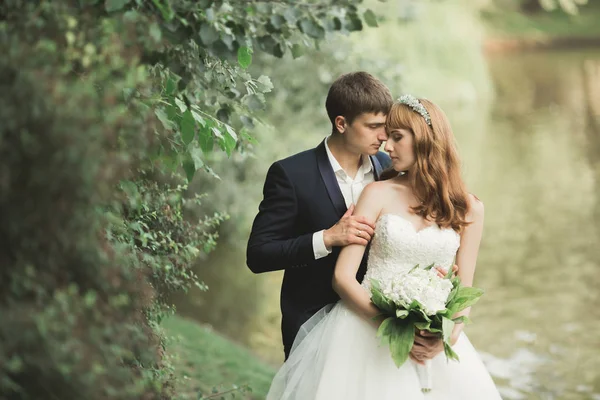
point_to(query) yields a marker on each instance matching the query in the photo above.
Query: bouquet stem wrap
(425, 376)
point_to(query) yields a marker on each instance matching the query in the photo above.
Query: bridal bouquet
(421, 299)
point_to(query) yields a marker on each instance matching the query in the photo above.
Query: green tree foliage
(108, 109)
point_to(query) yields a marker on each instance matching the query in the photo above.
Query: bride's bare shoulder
(380, 187)
(476, 210)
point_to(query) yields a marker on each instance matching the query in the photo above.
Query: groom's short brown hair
(355, 93)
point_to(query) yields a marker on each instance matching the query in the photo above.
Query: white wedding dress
(337, 356)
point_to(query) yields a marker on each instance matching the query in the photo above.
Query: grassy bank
(204, 359)
(510, 24)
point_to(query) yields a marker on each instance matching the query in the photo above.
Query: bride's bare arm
(466, 258)
(348, 262)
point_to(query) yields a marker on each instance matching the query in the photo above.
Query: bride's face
(401, 148)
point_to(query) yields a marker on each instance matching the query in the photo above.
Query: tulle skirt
(336, 355)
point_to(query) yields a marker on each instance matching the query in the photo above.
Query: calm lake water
(533, 157)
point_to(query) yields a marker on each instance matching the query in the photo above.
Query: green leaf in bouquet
(401, 341)
(385, 329)
(427, 268)
(466, 297)
(401, 313)
(423, 326)
(452, 295)
(450, 354)
(447, 327)
(424, 315)
(413, 268)
(379, 299)
(463, 319)
(414, 305)
(471, 292)
(455, 281)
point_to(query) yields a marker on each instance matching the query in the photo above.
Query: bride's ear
(340, 124)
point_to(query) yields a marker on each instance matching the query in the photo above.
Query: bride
(423, 215)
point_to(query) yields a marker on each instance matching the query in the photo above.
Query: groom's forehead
(372, 118)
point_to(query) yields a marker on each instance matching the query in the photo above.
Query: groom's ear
(340, 123)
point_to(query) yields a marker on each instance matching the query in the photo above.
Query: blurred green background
(520, 82)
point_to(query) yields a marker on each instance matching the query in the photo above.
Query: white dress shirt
(351, 190)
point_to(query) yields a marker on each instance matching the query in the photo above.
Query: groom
(305, 217)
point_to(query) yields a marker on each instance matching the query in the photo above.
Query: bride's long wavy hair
(436, 179)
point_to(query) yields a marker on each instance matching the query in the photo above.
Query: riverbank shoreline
(493, 46)
(513, 31)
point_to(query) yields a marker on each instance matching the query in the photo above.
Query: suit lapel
(376, 167)
(333, 189)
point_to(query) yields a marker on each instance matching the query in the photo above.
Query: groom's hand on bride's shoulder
(426, 346)
(349, 229)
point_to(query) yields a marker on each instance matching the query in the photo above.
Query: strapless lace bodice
(398, 246)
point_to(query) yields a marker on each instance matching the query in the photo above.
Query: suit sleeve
(384, 160)
(273, 244)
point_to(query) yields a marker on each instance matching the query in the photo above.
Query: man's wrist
(327, 239)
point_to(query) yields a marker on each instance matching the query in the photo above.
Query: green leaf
(254, 102)
(450, 354)
(163, 117)
(337, 24)
(423, 326)
(155, 32)
(171, 86)
(231, 133)
(244, 56)
(447, 327)
(353, 23)
(205, 140)
(379, 299)
(311, 28)
(180, 103)
(247, 121)
(196, 155)
(188, 127)
(385, 330)
(189, 167)
(265, 84)
(216, 132)
(229, 141)
(198, 118)
(370, 18)
(401, 341)
(401, 313)
(165, 10)
(277, 21)
(466, 297)
(264, 7)
(208, 34)
(115, 5)
(291, 15)
(463, 319)
(470, 292)
(297, 51)
(249, 138)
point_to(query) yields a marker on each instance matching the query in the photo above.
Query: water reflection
(533, 157)
(541, 252)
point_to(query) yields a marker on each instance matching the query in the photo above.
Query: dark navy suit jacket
(301, 197)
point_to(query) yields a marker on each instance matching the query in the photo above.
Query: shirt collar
(366, 161)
